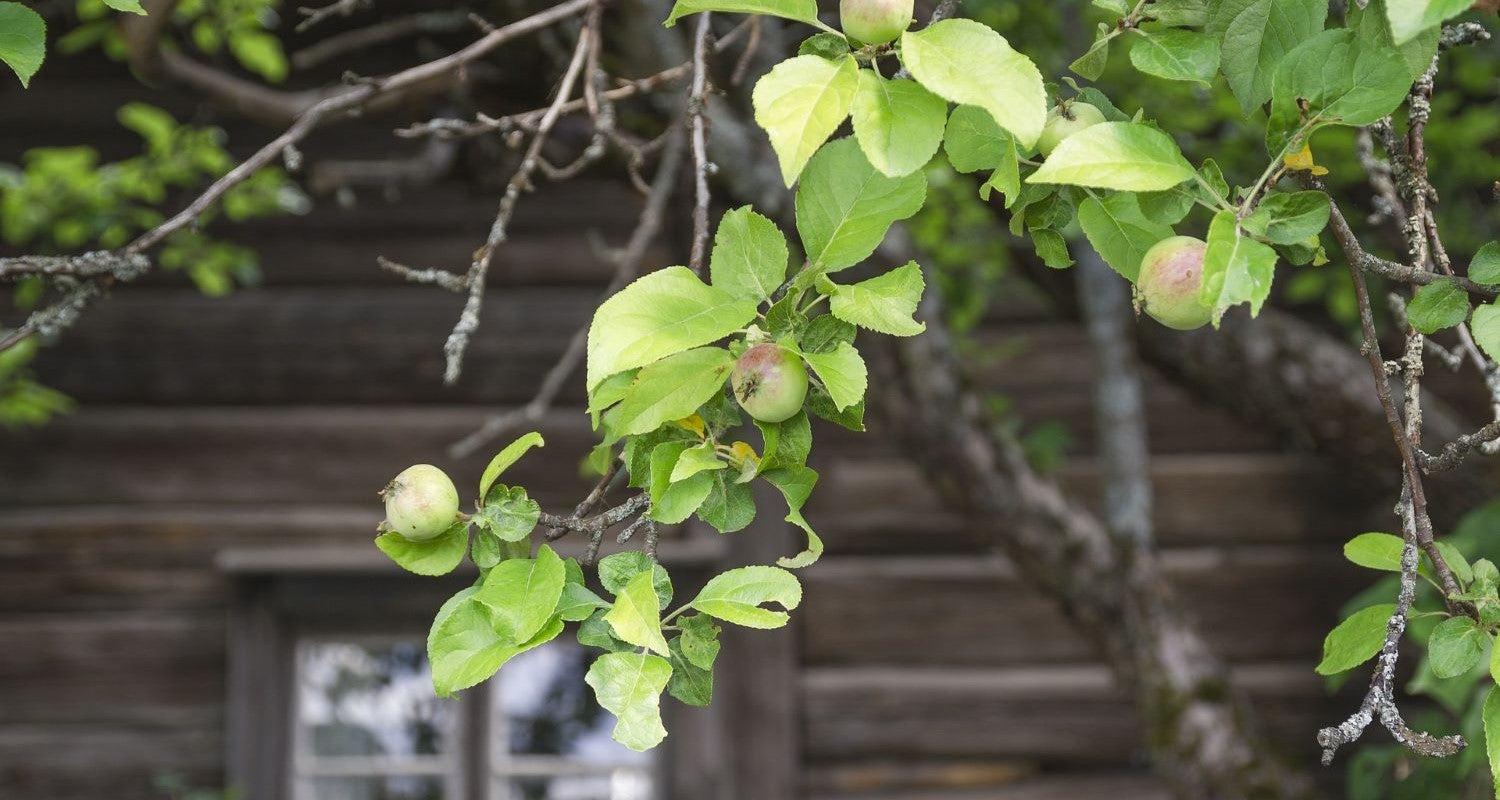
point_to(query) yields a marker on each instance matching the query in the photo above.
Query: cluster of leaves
(61, 198)
(520, 601)
(661, 351)
(1457, 669)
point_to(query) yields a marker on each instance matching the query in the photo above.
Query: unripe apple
(1170, 277)
(769, 382)
(874, 21)
(420, 503)
(1064, 121)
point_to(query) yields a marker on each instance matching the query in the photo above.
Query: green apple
(1171, 276)
(420, 503)
(769, 382)
(874, 21)
(1064, 121)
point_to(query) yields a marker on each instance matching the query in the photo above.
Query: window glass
(368, 726)
(552, 740)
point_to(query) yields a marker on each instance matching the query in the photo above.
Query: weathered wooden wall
(268, 418)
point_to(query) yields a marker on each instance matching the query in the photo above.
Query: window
(329, 696)
(366, 726)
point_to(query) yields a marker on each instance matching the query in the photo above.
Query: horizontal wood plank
(1078, 786)
(979, 611)
(1054, 715)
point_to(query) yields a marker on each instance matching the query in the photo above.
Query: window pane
(623, 784)
(543, 707)
(369, 699)
(397, 788)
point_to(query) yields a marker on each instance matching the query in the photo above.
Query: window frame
(281, 595)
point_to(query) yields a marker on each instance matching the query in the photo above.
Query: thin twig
(468, 320)
(697, 106)
(627, 264)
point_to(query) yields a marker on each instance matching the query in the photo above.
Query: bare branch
(627, 264)
(378, 34)
(468, 320)
(697, 106)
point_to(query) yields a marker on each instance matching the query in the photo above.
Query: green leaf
(673, 388)
(1006, 178)
(690, 683)
(595, 632)
(693, 655)
(260, 52)
(1372, 27)
(832, 46)
(800, 103)
(465, 648)
(673, 502)
(578, 603)
(1485, 326)
(788, 443)
(609, 391)
(1333, 78)
(1236, 269)
(1289, 218)
(1492, 733)
(23, 40)
(695, 460)
(796, 485)
(884, 304)
(617, 570)
(508, 513)
(1380, 551)
(799, 10)
(128, 6)
(636, 615)
(700, 640)
(629, 685)
(842, 372)
(820, 405)
(659, 314)
(505, 458)
(1185, 13)
(749, 257)
(1176, 55)
(1485, 268)
(1091, 64)
(1455, 647)
(1438, 306)
(1130, 156)
(730, 505)
(1051, 248)
(824, 334)
(1119, 231)
(437, 556)
(845, 206)
(1255, 36)
(1409, 18)
(968, 63)
(737, 596)
(897, 123)
(1495, 662)
(973, 141)
(522, 593)
(1356, 639)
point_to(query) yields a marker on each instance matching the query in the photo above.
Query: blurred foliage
(61, 199)
(243, 28)
(25, 403)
